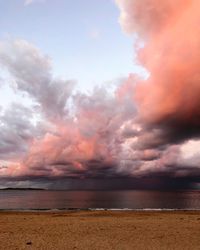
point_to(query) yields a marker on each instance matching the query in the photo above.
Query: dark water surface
(26, 199)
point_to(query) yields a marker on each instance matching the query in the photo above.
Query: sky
(99, 94)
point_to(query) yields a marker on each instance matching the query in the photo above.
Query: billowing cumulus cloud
(146, 131)
(170, 97)
(32, 74)
(82, 142)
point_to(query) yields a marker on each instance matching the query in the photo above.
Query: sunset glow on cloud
(143, 127)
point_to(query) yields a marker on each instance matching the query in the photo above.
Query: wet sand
(100, 230)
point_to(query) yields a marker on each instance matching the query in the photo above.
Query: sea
(94, 200)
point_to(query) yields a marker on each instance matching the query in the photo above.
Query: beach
(100, 230)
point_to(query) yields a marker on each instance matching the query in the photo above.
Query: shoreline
(49, 210)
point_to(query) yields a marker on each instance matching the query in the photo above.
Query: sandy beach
(100, 230)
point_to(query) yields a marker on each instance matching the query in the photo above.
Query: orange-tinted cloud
(170, 31)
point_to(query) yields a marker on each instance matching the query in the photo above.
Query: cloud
(147, 129)
(169, 99)
(83, 144)
(32, 74)
(29, 2)
(95, 34)
(16, 131)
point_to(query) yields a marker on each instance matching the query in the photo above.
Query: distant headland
(21, 188)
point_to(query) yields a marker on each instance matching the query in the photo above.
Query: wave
(96, 209)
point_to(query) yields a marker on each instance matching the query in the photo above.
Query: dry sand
(100, 230)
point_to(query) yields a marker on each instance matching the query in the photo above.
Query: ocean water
(39, 200)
